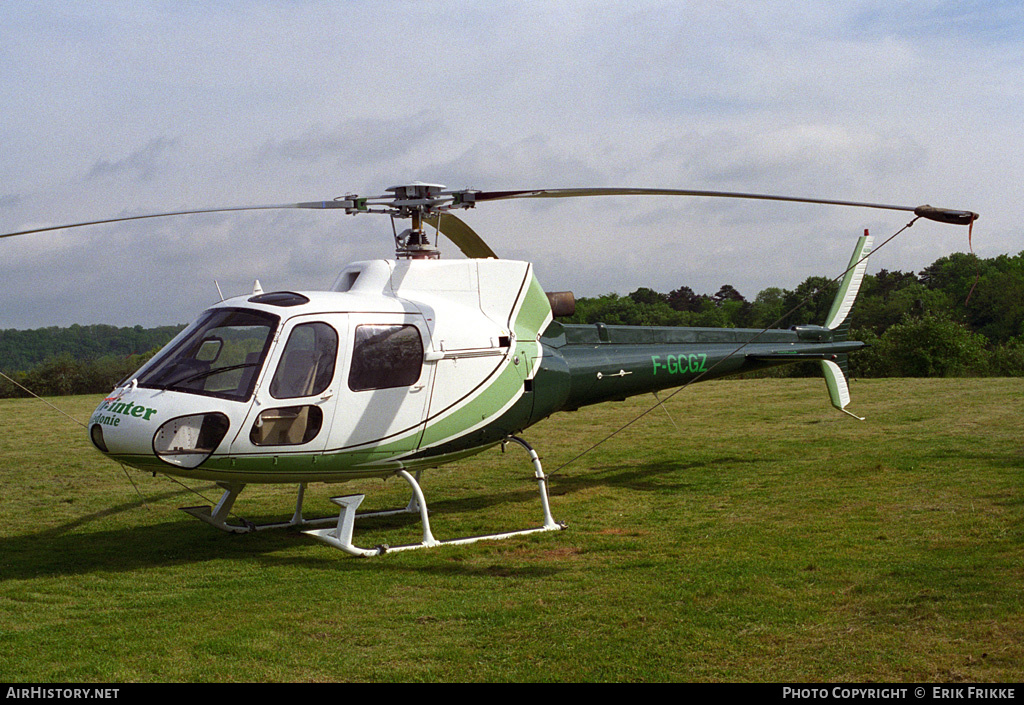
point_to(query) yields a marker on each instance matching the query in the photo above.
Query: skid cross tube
(217, 516)
(341, 535)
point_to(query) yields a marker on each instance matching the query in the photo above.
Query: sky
(119, 108)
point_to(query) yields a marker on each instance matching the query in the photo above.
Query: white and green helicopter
(410, 363)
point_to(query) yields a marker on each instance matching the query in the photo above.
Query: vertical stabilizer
(835, 371)
(850, 285)
(838, 389)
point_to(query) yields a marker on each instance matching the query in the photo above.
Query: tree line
(961, 316)
(76, 360)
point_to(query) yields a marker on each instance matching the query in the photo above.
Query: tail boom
(604, 363)
(589, 364)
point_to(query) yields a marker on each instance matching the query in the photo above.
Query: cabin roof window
(280, 298)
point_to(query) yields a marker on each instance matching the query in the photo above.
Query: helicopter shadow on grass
(659, 476)
(71, 549)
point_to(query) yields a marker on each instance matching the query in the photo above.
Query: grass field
(756, 535)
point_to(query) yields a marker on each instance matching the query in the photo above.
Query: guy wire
(30, 392)
(61, 411)
(123, 468)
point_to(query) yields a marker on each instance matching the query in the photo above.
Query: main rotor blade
(942, 215)
(317, 205)
(464, 237)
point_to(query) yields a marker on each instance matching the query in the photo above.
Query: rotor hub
(416, 198)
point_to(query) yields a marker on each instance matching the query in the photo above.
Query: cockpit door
(295, 400)
(384, 386)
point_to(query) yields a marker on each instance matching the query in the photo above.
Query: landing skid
(341, 535)
(217, 516)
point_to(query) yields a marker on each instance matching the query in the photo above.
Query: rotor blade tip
(946, 215)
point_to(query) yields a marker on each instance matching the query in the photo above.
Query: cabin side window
(385, 356)
(288, 426)
(307, 363)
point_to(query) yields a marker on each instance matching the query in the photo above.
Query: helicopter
(409, 363)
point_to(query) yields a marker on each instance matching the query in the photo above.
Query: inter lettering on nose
(128, 409)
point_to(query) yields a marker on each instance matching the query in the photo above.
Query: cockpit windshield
(219, 355)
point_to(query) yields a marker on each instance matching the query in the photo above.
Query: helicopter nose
(96, 436)
(186, 441)
(121, 426)
(141, 426)
(115, 440)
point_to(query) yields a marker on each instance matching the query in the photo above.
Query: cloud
(141, 165)
(177, 106)
(358, 141)
(536, 161)
(9, 200)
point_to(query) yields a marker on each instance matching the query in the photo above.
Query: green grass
(761, 537)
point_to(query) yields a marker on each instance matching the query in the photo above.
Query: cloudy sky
(117, 108)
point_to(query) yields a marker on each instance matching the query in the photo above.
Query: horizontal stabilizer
(792, 356)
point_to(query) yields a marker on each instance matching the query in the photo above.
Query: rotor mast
(414, 201)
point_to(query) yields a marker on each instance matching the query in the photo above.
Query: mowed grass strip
(751, 533)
